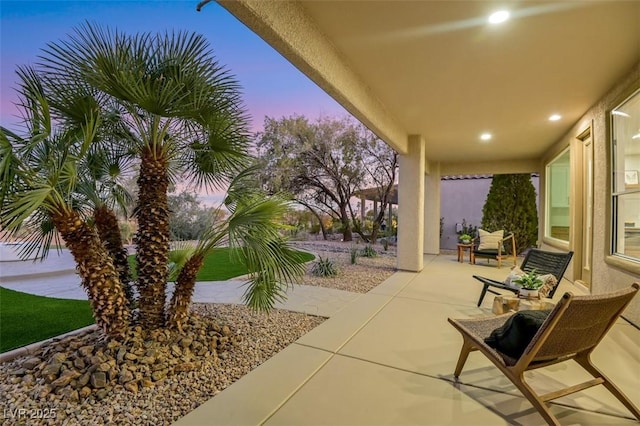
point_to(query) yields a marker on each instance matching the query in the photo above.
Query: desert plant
(324, 267)
(353, 254)
(368, 251)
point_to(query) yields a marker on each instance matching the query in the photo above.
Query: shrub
(354, 254)
(385, 244)
(368, 251)
(511, 205)
(324, 268)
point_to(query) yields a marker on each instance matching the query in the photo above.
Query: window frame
(618, 193)
(549, 196)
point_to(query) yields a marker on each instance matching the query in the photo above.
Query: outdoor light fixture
(498, 17)
(636, 136)
(555, 117)
(485, 136)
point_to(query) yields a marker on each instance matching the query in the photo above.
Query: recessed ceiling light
(485, 136)
(498, 17)
(555, 117)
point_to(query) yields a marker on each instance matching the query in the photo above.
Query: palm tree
(39, 175)
(253, 228)
(183, 118)
(103, 168)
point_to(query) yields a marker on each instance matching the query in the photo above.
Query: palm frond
(273, 266)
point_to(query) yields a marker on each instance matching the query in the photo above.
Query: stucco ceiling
(436, 68)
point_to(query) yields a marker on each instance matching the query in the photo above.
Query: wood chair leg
(535, 400)
(585, 362)
(467, 347)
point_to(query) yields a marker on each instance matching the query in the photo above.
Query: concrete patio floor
(387, 357)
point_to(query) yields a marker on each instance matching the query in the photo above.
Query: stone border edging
(31, 348)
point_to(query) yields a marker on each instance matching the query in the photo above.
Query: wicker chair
(505, 249)
(544, 262)
(572, 330)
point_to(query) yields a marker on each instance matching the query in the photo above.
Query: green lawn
(25, 318)
(219, 265)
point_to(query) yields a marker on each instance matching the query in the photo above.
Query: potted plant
(466, 232)
(530, 283)
(465, 238)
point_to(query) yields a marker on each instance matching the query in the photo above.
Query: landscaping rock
(31, 363)
(186, 342)
(99, 380)
(131, 387)
(79, 363)
(52, 369)
(125, 375)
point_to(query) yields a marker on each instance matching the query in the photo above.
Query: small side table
(461, 249)
(504, 304)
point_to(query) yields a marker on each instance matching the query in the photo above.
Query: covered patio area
(388, 358)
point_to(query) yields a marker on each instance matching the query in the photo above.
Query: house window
(557, 194)
(625, 148)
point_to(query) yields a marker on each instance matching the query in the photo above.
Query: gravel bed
(262, 336)
(367, 273)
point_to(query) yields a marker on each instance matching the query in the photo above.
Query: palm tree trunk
(95, 267)
(179, 306)
(152, 238)
(109, 232)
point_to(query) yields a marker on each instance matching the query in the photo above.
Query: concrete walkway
(56, 277)
(387, 358)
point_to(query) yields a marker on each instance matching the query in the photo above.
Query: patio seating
(498, 247)
(544, 262)
(572, 330)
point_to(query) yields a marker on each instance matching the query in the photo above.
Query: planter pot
(465, 241)
(528, 294)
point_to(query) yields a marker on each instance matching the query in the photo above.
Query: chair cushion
(489, 240)
(549, 282)
(513, 275)
(513, 337)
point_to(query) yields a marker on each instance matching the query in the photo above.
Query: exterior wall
(461, 199)
(608, 273)
(464, 198)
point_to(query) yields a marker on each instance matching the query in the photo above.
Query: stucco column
(411, 206)
(432, 209)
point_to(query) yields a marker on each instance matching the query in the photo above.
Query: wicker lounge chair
(572, 330)
(544, 262)
(505, 248)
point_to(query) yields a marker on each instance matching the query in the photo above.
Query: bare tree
(324, 164)
(380, 163)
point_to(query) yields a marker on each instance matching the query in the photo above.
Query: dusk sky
(271, 85)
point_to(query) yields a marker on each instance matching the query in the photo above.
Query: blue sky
(271, 85)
